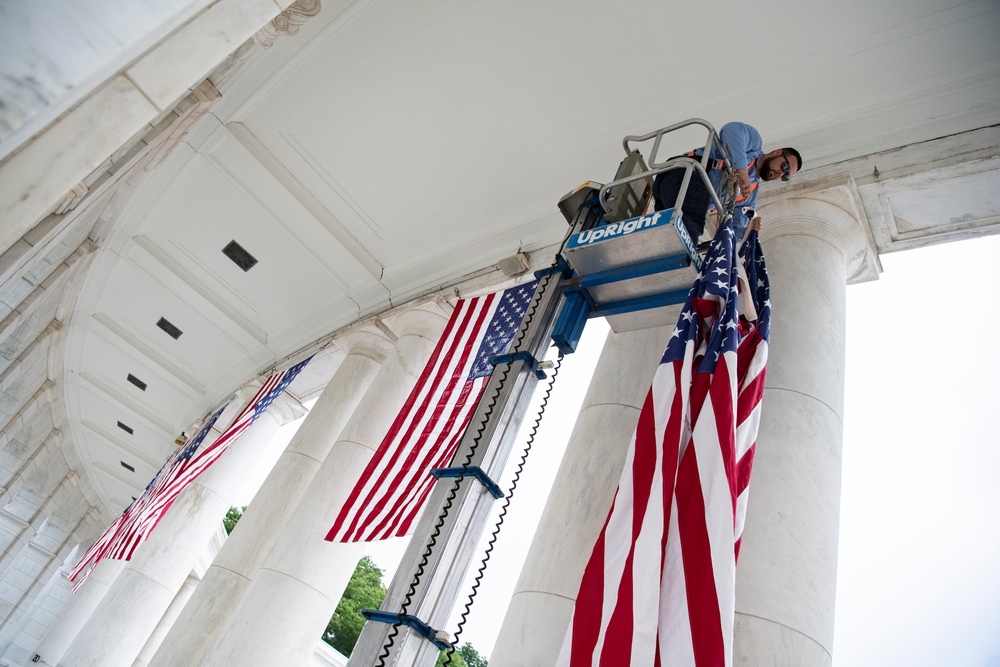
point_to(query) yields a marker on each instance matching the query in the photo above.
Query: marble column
(814, 243)
(124, 620)
(78, 611)
(542, 603)
(167, 622)
(225, 582)
(296, 590)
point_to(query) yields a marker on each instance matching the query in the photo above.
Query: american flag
(135, 524)
(394, 486)
(659, 588)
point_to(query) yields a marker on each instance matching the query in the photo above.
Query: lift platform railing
(687, 163)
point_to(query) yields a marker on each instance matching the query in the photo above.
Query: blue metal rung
(470, 471)
(520, 356)
(421, 628)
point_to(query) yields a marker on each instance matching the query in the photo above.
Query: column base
(755, 637)
(534, 629)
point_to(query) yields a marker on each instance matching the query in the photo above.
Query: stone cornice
(829, 209)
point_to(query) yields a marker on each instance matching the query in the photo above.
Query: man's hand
(755, 224)
(743, 177)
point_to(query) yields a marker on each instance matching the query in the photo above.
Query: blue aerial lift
(616, 261)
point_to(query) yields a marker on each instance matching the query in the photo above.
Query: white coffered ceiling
(390, 148)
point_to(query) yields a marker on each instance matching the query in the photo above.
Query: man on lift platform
(751, 164)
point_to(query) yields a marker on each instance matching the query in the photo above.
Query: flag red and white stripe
(137, 522)
(659, 588)
(394, 486)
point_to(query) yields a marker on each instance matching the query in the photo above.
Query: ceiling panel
(106, 367)
(390, 148)
(208, 211)
(131, 306)
(147, 443)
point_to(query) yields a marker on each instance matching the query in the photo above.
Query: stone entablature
(918, 195)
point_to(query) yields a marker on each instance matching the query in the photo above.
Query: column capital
(374, 340)
(426, 320)
(829, 209)
(286, 408)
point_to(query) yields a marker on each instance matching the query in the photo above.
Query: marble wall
(54, 50)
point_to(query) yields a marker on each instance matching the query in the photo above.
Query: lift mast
(630, 274)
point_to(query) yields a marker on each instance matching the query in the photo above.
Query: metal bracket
(421, 628)
(526, 357)
(571, 321)
(560, 267)
(470, 471)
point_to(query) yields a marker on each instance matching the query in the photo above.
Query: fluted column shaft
(814, 244)
(213, 603)
(296, 590)
(78, 611)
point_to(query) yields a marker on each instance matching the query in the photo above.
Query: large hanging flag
(394, 486)
(126, 525)
(659, 588)
(135, 524)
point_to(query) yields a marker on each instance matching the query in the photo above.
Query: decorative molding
(305, 197)
(113, 183)
(134, 482)
(913, 171)
(287, 22)
(72, 199)
(179, 122)
(829, 209)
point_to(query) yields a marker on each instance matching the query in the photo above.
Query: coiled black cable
(453, 492)
(503, 510)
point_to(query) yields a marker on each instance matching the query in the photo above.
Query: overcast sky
(919, 568)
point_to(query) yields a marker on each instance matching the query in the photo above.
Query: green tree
(471, 656)
(364, 591)
(232, 516)
(456, 660)
(465, 656)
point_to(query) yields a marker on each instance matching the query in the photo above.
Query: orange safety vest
(719, 164)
